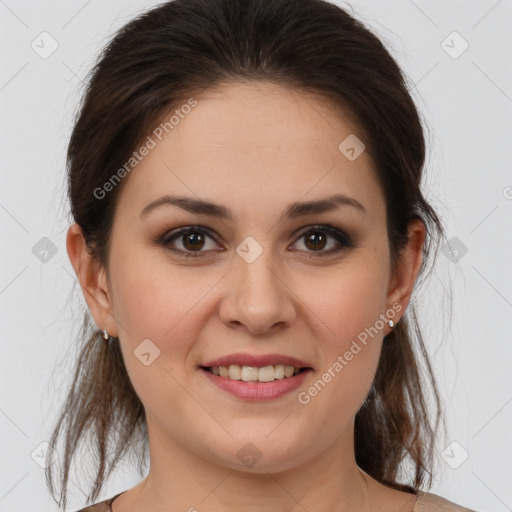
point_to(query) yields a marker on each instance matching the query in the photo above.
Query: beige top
(425, 502)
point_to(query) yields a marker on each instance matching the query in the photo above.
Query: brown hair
(176, 50)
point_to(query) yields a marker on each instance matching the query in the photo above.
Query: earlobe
(408, 266)
(92, 279)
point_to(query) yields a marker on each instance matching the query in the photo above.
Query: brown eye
(193, 241)
(316, 240)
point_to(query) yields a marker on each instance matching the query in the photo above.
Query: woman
(244, 177)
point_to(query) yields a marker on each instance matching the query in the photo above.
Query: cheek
(161, 311)
(348, 300)
(155, 299)
(347, 310)
(157, 326)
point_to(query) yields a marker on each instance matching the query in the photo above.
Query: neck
(179, 480)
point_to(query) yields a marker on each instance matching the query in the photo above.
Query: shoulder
(102, 506)
(428, 502)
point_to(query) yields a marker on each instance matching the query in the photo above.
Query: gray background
(466, 100)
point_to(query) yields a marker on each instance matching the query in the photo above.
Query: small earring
(105, 334)
(390, 323)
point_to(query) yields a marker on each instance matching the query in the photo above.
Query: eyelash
(341, 237)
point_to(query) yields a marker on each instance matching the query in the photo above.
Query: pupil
(315, 238)
(197, 239)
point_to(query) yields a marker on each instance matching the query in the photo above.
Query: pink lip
(244, 359)
(257, 391)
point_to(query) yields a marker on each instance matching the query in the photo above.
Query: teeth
(253, 373)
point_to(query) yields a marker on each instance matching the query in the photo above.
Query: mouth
(263, 374)
(256, 383)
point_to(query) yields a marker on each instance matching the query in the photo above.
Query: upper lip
(245, 359)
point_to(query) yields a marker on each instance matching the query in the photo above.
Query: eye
(193, 239)
(316, 239)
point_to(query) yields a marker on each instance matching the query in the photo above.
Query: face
(307, 286)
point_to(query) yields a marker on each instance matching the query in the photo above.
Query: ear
(408, 267)
(93, 280)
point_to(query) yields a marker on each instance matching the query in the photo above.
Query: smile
(256, 383)
(253, 373)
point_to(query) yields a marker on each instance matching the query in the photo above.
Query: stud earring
(391, 323)
(105, 334)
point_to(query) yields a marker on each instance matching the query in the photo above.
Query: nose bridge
(257, 279)
(258, 297)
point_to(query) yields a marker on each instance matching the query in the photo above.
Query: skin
(255, 148)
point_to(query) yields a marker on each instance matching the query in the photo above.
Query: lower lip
(258, 391)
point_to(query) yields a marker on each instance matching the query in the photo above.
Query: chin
(259, 455)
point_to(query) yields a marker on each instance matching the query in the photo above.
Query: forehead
(251, 145)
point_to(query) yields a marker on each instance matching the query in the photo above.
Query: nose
(258, 297)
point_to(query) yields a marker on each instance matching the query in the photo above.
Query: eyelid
(339, 234)
(174, 233)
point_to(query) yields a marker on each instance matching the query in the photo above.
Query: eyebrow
(294, 210)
